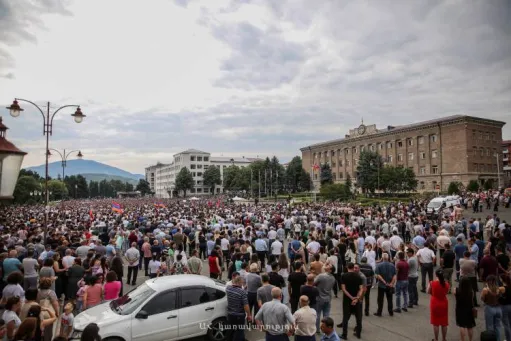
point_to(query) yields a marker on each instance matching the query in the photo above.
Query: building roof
(228, 159)
(192, 151)
(396, 129)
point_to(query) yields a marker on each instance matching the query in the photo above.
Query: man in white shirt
(68, 260)
(133, 257)
(276, 248)
(395, 243)
(426, 258)
(313, 247)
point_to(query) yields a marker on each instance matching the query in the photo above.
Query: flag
(315, 167)
(116, 207)
(218, 203)
(91, 215)
(159, 204)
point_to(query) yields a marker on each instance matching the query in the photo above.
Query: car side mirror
(142, 314)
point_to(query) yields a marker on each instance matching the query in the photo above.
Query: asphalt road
(413, 325)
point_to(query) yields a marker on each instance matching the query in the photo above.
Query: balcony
(507, 168)
(505, 151)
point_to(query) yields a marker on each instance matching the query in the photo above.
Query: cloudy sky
(245, 77)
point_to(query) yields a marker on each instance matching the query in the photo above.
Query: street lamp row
(15, 111)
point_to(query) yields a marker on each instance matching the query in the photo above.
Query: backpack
(178, 268)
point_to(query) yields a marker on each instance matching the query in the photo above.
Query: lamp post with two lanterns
(64, 156)
(15, 110)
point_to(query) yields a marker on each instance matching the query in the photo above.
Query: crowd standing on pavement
(286, 264)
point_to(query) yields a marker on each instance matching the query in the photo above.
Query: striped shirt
(237, 298)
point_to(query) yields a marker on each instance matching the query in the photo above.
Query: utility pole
(271, 182)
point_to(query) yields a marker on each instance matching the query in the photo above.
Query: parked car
(438, 203)
(165, 308)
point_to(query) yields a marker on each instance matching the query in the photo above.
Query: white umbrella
(194, 198)
(237, 199)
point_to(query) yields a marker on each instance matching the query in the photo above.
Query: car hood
(101, 314)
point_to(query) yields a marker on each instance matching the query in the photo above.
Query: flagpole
(265, 178)
(259, 185)
(271, 182)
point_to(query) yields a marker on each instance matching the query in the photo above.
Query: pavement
(411, 326)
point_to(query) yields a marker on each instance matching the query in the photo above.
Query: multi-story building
(506, 150)
(197, 162)
(455, 148)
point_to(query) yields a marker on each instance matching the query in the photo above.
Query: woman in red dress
(438, 304)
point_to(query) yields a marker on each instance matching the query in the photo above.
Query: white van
(436, 203)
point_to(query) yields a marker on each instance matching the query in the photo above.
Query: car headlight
(77, 334)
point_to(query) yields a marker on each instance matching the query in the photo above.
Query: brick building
(506, 151)
(454, 148)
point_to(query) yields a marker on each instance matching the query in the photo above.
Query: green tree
(58, 189)
(26, 185)
(184, 180)
(143, 187)
(369, 165)
(94, 189)
(349, 183)
(230, 174)
(335, 192)
(408, 180)
(305, 181)
(454, 188)
(25, 172)
(293, 174)
(212, 177)
(397, 179)
(488, 184)
(473, 186)
(325, 175)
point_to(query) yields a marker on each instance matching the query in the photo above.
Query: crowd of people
(286, 264)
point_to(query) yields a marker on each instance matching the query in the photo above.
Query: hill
(90, 169)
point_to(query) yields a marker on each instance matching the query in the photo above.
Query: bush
(454, 188)
(473, 186)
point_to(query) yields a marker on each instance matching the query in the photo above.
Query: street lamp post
(64, 157)
(498, 168)
(15, 110)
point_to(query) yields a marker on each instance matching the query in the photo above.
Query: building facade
(506, 150)
(455, 148)
(163, 176)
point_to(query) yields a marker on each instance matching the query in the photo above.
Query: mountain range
(90, 169)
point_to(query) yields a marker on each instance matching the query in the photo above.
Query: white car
(162, 309)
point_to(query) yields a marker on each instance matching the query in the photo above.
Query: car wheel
(113, 339)
(217, 331)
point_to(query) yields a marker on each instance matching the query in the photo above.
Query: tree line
(265, 177)
(30, 188)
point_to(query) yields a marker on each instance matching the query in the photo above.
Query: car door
(195, 311)
(162, 322)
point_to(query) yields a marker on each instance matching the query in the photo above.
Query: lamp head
(15, 109)
(78, 115)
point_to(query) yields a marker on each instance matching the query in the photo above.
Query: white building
(162, 177)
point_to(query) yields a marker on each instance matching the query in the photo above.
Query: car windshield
(435, 204)
(128, 303)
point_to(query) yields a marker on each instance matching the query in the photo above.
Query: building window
(480, 135)
(199, 190)
(333, 163)
(487, 136)
(199, 182)
(199, 166)
(192, 166)
(433, 138)
(192, 158)
(333, 176)
(422, 185)
(399, 157)
(399, 144)
(372, 147)
(434, 154)
(347, 163)
(192, 190)
(206, 166)
(347, 151)
(423, 155)
(495, 153)
(481, 151)
(354, 150)
(380, 146)
(488, 152)
(410, 156)
(474, 135)
(434, 169)
(421, 139)
(476, 168)
(474, 149)
(332, 153)
(433, 183)
(390, 158)
(315, 177)
(340, 163)
(206, 158)
(362, 148)
(422, 170)
(389, 145)
(493, 136)
(193, 173)
(199, 158)
(410, 142)
(340, 175)
(199, 174)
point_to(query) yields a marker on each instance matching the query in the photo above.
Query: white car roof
(175, 281)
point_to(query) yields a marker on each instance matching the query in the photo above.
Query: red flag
(218, 203)
(91, 215)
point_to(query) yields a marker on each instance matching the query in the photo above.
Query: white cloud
(245, 77)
